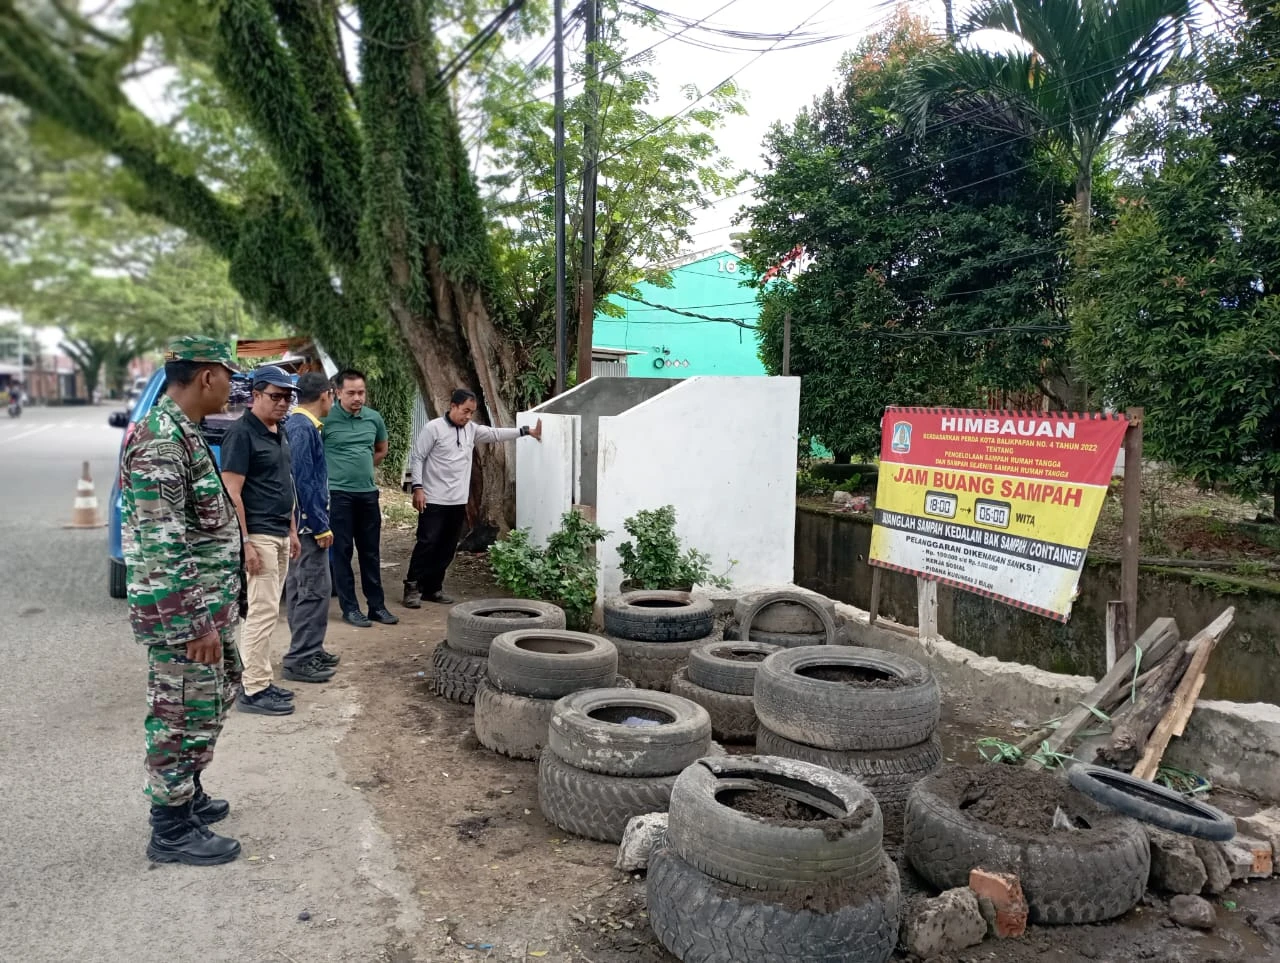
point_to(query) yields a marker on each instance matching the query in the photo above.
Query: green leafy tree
(1177, 307)
(653, 178)
(931, 266)
(1082, 66)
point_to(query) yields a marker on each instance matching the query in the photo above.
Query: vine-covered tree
(931, 266)
(341, 192)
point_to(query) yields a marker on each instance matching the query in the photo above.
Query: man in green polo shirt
(355, 441)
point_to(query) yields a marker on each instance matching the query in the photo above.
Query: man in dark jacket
(308, 585)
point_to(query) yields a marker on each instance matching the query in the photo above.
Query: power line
(689, 106)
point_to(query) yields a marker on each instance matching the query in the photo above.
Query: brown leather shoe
(412, 597)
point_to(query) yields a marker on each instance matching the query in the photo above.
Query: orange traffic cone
(85, 513)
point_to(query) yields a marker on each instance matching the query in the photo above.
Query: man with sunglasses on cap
(258, 474)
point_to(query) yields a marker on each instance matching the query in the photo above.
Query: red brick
(1001, 888)
(1011, 922)
(1005, 893)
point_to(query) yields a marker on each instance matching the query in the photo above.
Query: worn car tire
(733, 717)
(762, 601)
(1149, 803)
(455, 675)
(711, 668)
(583, 735)
(832, 715)
(595, 805)
(888, 773)
(659, 616)
(704, 920)
(550, 663)
(710, 835)
(786, 614)
(474, 625)
(650, 665)
(1084, 876)
(510, 724)
(787, 640)
(117, 579)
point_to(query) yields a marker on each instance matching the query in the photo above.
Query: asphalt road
(75, 883)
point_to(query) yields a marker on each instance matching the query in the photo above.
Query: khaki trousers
(264, 610)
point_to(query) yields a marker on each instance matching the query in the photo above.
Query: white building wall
(723, 452)
(547, 474)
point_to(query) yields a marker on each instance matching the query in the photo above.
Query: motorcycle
(15, 408)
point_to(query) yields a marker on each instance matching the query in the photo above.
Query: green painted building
(658, 342)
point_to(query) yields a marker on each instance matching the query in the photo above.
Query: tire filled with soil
(1002, 818)
(832, 697)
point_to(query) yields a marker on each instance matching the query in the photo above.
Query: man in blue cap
(257, 471)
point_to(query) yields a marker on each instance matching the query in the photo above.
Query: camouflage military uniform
(182, 547)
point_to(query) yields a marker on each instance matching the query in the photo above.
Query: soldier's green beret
(201, 349)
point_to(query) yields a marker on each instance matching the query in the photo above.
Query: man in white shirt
(440, 465)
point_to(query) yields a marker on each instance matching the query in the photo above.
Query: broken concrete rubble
(1192, 911)
(944, 924)
(1262, 825)
(1248, 858)
(1215, 866)
(1175, 867)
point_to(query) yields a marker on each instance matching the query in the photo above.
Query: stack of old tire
(721, 677)
(861, 711)
(772, 859)
(459, 663)
(613, 754)
(787, 618)
(654, 631)
(528, 670)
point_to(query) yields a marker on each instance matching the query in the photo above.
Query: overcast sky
(777, 83)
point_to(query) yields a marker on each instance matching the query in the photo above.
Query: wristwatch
(524, 430)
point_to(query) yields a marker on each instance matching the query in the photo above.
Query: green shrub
(842, 473)
(807, 484)
(564, 572)
(655, 560)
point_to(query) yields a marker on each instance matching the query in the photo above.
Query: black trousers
(356, 520)
(438, 529)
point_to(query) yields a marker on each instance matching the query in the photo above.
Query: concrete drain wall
(1236, 745)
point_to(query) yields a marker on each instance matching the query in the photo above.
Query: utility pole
(561, 370)
(949, 8)
(586, 287)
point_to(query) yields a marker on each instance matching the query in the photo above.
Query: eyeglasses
(278, 397)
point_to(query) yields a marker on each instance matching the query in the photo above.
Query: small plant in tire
(564, 572)
(655, 560)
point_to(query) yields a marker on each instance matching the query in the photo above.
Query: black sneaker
(266, 703)
(286, 694)
(357, 618)
(439, 598)
(383, 616)
(328, 658)
(311, 671)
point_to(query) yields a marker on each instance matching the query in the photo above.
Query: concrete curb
(1235, 745)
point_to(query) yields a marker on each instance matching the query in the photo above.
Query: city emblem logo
(901, 437)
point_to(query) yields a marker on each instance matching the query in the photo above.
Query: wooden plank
(1132, 515)
(1154, 644)
(1195, 694)
(898, 627)
(1117, 630)
(874, 606)
(1183, 698)
(927, 607)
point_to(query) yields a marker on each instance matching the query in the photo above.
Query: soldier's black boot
(179, 837)
(209, 810)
